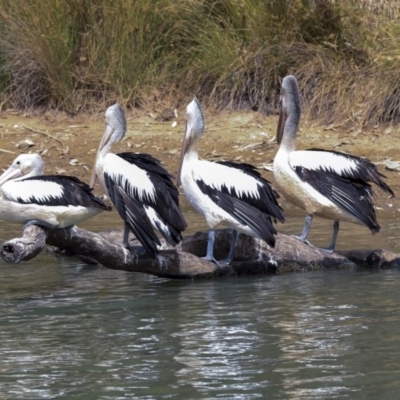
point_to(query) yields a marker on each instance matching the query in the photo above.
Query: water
(72, 331)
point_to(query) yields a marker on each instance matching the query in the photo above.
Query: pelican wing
(52, 190)
(243, 182)
(242, 211)
(343, 165)
(133, 213)
(165, 196)
(352, 195)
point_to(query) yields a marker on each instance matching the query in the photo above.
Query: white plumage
(329, 184)
(118, 169)
(219, 176)
(52, 201)
(27, 190)
(226, 193)
(140, 188)
(323, 160)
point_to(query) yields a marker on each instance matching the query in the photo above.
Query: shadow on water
(69, 330)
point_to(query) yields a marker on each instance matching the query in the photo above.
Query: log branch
(28, 246)
(184, 262)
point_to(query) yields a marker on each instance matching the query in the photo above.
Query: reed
(86, 54)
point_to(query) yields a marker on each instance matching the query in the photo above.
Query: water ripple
(68, 330)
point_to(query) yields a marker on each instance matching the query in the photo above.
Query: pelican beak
(185, 146)
(93, 178)
(281, 121)
(11, 173)
(108, 131)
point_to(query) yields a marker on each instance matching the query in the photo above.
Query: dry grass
(36, 45)
(83, 54)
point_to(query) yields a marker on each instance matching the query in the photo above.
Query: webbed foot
(306, 241)
(212, 259)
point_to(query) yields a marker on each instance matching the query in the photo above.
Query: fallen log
(184, 262)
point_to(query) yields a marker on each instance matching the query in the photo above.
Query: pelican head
(115, 129)
(193, 131)
(24, 166)
(289, 106)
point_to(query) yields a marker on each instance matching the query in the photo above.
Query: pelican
(225, 192)
(140, 188)
(52, 201)
(328, 184)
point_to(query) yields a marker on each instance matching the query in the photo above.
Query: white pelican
(329, 184)
(140, 188)
(52, 201)
(225, 192)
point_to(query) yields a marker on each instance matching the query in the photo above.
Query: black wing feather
(245, 213)
(267, 202)
(134, 214)
(352, 195)
(366, 171)
(167, 195)
(75, 193)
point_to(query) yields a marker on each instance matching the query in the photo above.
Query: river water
(73, 331)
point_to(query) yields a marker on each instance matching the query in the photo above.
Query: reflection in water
(68, 330)
(88, 332)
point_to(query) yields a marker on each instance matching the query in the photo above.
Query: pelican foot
(328, 250)
(213, 260)
(139, 250)
(162, 260)
(135, 251)
(226, 261)
(272, 262)
(303, 240)
(260, 250)
(72, 231)
(126, 255)
(165, 246)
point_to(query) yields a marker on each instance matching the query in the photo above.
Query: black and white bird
(140, 188)
(227, 193)
(328, 184)
(52, 201)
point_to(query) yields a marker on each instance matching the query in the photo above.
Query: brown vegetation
(84, 54)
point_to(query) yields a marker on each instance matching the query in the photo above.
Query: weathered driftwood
(184, 261)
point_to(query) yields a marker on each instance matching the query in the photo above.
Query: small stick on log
(184, 262)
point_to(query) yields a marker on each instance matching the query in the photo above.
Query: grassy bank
(85, 54)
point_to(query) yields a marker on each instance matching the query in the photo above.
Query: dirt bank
(68, 145)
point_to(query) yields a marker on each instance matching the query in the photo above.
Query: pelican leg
(125, 242)
(306, 228)
(72, 230)
(40, 222)
(126, 235)
(210, 248)
(331, 247)
(231, 254)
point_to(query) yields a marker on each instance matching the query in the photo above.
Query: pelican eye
(18, 162)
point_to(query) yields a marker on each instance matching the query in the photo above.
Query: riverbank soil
(69, 144)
